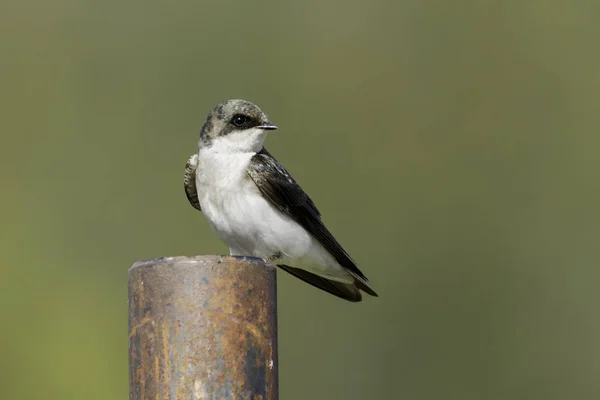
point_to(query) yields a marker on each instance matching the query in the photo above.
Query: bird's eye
(239, 120)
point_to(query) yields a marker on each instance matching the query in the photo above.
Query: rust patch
(134, 329)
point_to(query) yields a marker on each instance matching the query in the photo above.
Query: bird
(257, 209)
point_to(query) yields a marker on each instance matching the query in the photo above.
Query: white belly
(249, 224)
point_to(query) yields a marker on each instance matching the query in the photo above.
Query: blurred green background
(452, 147)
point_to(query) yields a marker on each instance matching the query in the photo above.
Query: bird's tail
(346, 291)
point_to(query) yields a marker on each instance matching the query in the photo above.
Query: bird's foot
(274, 257)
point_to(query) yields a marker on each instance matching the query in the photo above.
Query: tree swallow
(256, 207)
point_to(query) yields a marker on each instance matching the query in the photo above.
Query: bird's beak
(267, 127)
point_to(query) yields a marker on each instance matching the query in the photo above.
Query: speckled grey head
(234, 118)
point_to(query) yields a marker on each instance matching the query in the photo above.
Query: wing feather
(189, 182)
(275, 182)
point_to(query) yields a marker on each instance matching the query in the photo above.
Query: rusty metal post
(202, 328)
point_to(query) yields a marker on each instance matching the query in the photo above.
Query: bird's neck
(247, 141)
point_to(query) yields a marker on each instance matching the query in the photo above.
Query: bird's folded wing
(275, 183)
(189, 181)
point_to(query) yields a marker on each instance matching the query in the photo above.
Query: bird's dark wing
(189, 182)
(275, 182)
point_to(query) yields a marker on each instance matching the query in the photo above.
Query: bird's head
(235, 126)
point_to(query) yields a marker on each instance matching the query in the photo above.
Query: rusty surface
(202, 328)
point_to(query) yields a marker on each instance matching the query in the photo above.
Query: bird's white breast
(235, 208)
(246, 221)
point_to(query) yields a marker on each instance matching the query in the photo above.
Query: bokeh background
(452, 147)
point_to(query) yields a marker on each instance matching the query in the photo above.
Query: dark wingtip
(362, 286)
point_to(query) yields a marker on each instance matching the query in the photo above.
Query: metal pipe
(202, 328)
